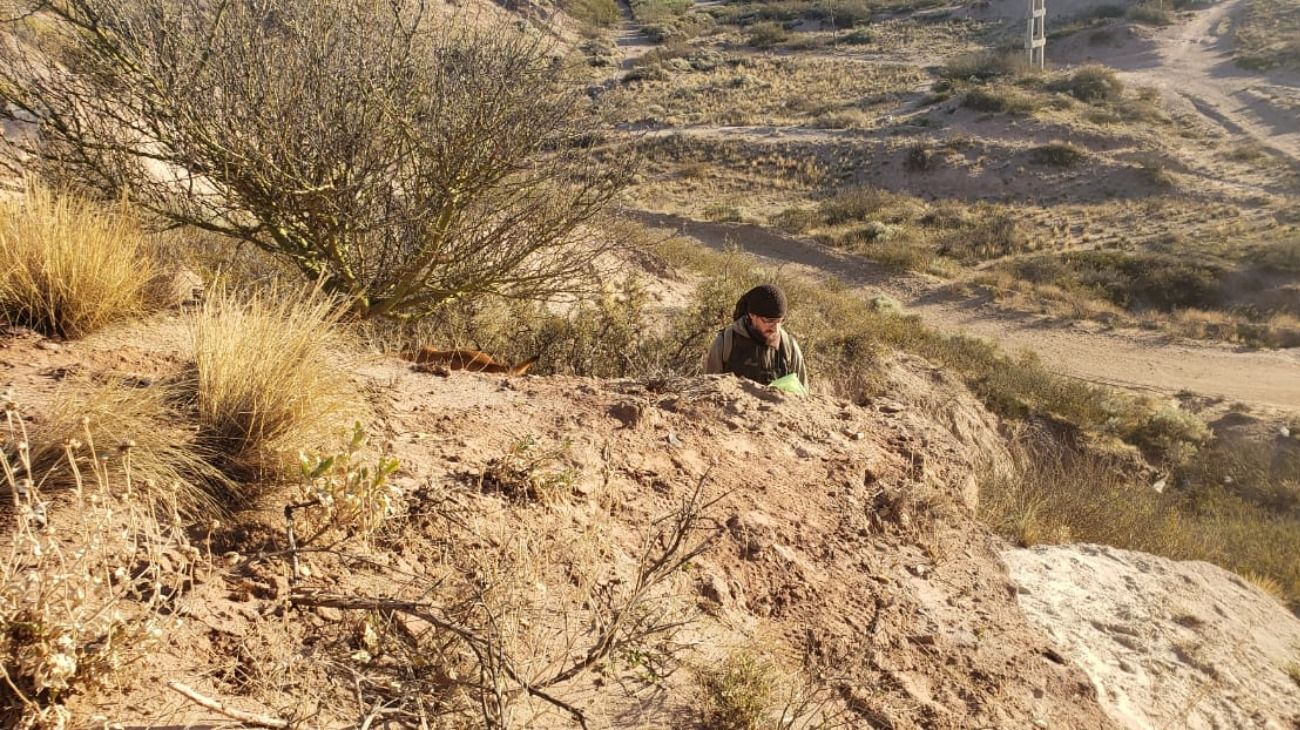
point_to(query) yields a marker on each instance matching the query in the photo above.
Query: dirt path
(1192, 64)
(1129, 359)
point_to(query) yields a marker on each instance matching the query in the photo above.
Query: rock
(754, 531)
(627, 413)
(714, 588)
(329, 613)
(49, 346)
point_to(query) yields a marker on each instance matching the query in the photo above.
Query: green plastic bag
(790, 384)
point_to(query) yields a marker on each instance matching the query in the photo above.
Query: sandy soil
(1132, 359)
(1191, 63)
(1167, 644)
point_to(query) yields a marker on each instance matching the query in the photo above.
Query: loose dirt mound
(1167, 644)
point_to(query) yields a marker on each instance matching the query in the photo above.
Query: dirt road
(1192, 65)
(1130, 359)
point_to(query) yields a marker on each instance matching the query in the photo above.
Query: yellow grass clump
(120, 424)
(67, 267)
(268, 381)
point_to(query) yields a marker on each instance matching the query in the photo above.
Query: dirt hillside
(846, 546)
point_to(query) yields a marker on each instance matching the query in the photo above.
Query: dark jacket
(752, 358)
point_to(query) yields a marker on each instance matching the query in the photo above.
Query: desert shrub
(738, 694)
(863, 203)
(920, 157)
(342, 491)
(1060, 494)
(984, 66)
(268, 380)
(747, 691)
(285, 113)
(602, 13)
(1149, 13)
(859, 37)
(723, 213)
(796, 220)
(67, 267)
(986, 234)
(766, 35)
(843, 13)
(87, 583)
(1058, 154)
(1152, 281)
(999, 100)
(1281, 256)
(1263, 472)
(1154, 171)
(1091, 84)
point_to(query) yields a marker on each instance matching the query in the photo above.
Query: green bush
(766, 35)
(602, 13)
(1057, 154)
(1091, 84)
(1000, 99)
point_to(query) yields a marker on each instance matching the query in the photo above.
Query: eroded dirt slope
(847, 544)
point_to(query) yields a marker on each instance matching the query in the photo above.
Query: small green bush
(1150, 13)
(1057, 154)
(766, 35)
(1000, 99)
(1091, 84)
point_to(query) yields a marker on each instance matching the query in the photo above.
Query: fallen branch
(248, 718)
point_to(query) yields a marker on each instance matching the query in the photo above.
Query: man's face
(769, 327)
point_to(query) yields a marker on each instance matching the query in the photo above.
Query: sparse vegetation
(1063, 494)
(1268, 35)
(1000, 99)
(528, 473)
(1091, 84)
(125, 424)
(1150, 13)
(601, 13)
(68, 268)
(766, 35)
(87, 583)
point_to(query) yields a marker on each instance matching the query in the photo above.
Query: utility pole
(1036, 37)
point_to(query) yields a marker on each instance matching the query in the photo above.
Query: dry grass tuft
(1268, 584)
(267, 379)
(117, 422)
(67, 268)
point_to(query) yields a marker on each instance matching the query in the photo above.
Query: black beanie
(766, 300)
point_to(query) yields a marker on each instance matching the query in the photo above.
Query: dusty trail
(1192, 63)
(1134, 360)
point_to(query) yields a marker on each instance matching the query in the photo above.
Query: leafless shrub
(398, 160)
(484, 645)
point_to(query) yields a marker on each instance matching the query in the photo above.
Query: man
(754, 345)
